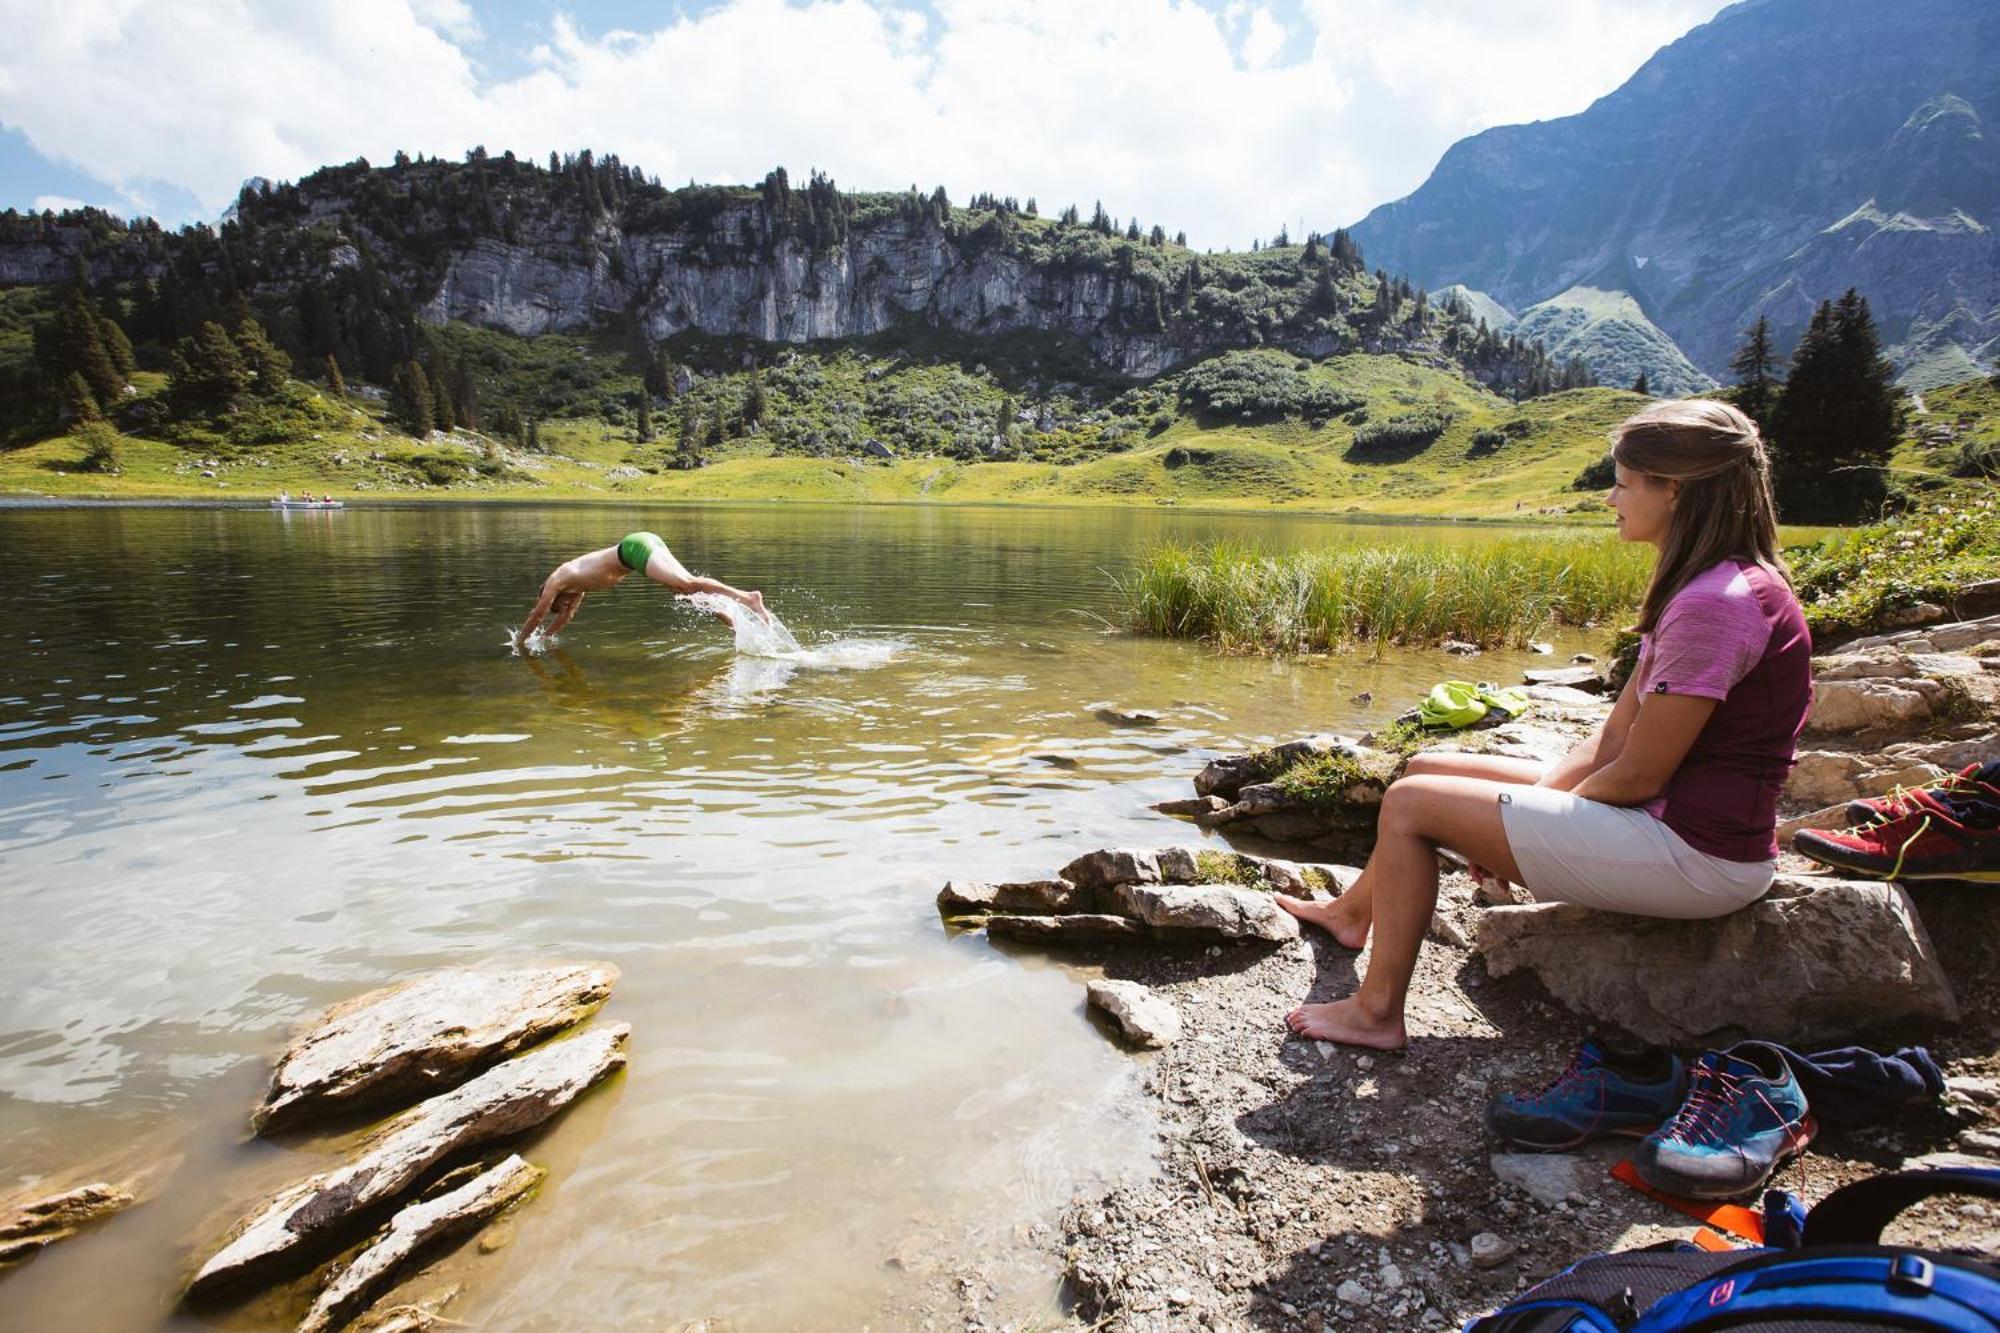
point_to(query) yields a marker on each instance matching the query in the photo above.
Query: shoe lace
(1904, 850)
(1572, 1070)
(1712, 1096)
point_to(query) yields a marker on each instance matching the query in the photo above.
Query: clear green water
(253, 763)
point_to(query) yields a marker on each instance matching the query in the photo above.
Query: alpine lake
(254, 763)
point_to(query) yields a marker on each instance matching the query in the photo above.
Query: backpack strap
(1855, 1214)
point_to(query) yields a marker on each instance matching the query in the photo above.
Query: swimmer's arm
(542, 605)
(1661, 736)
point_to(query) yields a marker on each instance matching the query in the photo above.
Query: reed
(1245, 600)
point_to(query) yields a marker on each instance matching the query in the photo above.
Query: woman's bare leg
(1419, 815)
(1347, 917)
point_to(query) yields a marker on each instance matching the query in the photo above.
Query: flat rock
(1843, 706)
(1561, 694)
(1109, 867)
(1219, 911)
(1848, 956)
(1145, 1019)
(1194, 806)
(1038, 897)
(510, 1097)
(1549, 1177)
(1949, 638)
(1576, 678)
(451, 1214)
(1075, 928)
(35, 1224)
(424, 1036)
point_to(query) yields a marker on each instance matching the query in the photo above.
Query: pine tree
(1838, 418)
(269, 367)
(645, 417)
(334, 383)
(754, 402)
(79, 404)
(1641, 384)
(411, 403)
(206, 371)
(1755, 367)
(465, 394)
(118, 347)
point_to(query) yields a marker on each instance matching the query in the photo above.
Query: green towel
(1453, 705)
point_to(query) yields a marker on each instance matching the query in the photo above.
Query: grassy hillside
(1252, 429)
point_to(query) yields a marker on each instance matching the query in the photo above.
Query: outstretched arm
(542, 605)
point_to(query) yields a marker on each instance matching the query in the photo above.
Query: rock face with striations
(507, 1099)
(424, 1036)
(1874, 163)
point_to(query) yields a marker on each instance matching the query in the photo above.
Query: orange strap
(1733, 1218)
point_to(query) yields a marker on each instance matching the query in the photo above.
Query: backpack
(1840, 1277)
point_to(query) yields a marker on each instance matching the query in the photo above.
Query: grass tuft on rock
(1850, 581)
(1323, 780)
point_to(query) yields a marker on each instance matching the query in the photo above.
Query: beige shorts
(1620, 859)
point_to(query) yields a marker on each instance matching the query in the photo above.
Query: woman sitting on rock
(1670, 808)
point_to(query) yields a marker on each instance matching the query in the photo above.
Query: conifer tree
(465, 394)
(206, 371)
(1641, 385)
(411, 403)
(754, 402)
(334, 383)
(1838, 418)
(645, 431)
(268, 366)
(1755, 366)
(79, 405)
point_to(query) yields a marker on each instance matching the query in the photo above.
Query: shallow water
(252, 763)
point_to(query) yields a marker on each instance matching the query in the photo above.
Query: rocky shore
(1301, 1185)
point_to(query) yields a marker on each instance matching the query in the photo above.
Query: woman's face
(1644, 505)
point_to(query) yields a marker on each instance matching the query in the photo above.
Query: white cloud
(56, 203)
(1153, 106)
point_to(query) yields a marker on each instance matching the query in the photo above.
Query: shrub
(1400, 437)
(440, 469)
(1485, 442)
(1257, 386)
(102, 446)
(1597, 477)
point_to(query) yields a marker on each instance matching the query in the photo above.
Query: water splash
(533, 646)
(775, 643)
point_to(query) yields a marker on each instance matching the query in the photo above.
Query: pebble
(1490, 1251)
(1180, 1296)
(1364, 1062)
(1392, 1277)
(1351, 1292)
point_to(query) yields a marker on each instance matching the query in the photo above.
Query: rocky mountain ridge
(1769, 159)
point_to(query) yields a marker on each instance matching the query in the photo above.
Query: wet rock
(424, 1036)
(1039, 897)
(454, 1213)
(1124, 717)
(1075, 928)
(1063, 761)
(507, 1099)
(1460, 648)
(1227, 776)
(1583, 659)
(1549, 1178)
(1110, 867)
(1212, 910)
(1194, 806)
(38, 1223)
(420, 1316)
(1542, 649)
(1851, 954)
(1144, 1018)
(1575, 678)
(1490, 1250)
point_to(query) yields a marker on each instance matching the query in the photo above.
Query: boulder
(424, 1036)
(1877, 664)
(453, 1213)
(1871, 704)
(1193, 807)
(1215, 910)
(1039, 897)
(1145, 1019)
(1110, 867)
(513, 1096)
(1075, 928)
(1848, 956)
(1560, 694)
(1576, 678)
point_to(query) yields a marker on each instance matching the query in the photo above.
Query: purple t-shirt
(1736, 634)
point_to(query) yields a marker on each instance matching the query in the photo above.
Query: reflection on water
(254, 763)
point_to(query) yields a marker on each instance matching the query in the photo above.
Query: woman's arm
(1661, 736)
(1601, 746)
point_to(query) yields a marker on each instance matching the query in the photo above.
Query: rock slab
(507, 1099)
(1845, 957)
(42, 1222)
(451, 1214)
(1145, 1019)
(422, 1037)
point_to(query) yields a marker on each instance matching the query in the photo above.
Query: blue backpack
(1840, 1277)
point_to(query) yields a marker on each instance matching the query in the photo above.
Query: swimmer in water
(564, 589)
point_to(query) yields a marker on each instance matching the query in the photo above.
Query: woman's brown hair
(1724, 510)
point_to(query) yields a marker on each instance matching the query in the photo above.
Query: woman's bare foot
(1346, 1022)
(1328, 916)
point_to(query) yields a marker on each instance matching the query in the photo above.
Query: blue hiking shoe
(1588, 1099)
(1744, 1117)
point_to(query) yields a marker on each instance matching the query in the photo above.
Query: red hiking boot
(1935, 837)
(1976, 780)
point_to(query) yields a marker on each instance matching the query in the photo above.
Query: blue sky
(1223, 118)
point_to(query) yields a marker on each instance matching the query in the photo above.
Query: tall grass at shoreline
(1245, 600)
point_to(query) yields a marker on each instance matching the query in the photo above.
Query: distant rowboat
(308, 504)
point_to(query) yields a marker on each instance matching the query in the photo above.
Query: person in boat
(284, 497)
(1669, 809)
(642, 552)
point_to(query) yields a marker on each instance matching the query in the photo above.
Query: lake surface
(253, 763)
